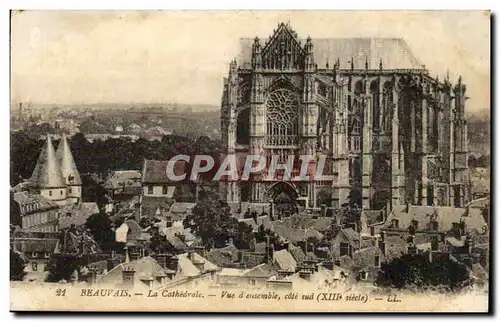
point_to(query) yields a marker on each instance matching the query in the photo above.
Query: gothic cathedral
(391, 133)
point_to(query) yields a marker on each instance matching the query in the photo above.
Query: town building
(391, 133)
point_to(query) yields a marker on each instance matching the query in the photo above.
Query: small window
(395, 223)
(150, 189)
(344, 249)
(164, 190)
(414, 223)
(376, 261)
(434, 225)
(61, 192)
(34, 266)
(35, 254)
(50, 193)
(69, 190)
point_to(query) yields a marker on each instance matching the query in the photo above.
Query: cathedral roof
(68, 166)
(47, 173)
(394, 53)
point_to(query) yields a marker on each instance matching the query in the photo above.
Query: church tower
(47, 177)
(69, 171)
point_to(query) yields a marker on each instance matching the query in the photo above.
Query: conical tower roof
(47, 173)
(68, 167)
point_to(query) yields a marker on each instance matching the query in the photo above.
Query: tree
(100, 228)
(17, 266)
(62, 266)
(417, 271)
(212, 221)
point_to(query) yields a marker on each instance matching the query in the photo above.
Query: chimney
(162, 260)
(305, 275)
(230, 241)
(128, 276)
(134, 256)
(172, 262)
(329, 265)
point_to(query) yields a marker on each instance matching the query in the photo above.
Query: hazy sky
(105, 56)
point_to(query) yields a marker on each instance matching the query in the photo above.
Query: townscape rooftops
(77, 214)
(124, 179)
(146, 268)
(31, 245)
(38, 202)
(394, 52)
(67, 163)
(445, 217)
(284, 260)
(155, 171)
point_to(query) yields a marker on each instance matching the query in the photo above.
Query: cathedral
(390, 132)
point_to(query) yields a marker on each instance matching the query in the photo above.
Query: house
(36, 252)
(123, 185)
(38, 214)
(76, 215)
(144, 273)
(156, 182)
(434, 220)
(132, 234)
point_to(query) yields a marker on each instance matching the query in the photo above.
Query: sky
(78, 57)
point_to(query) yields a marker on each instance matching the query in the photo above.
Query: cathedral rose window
(282, 117)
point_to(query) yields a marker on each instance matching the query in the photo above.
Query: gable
(283, 50)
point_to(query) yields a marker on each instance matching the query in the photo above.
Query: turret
(47, 177)
(256, 54)
(309, 60)
(69, 171)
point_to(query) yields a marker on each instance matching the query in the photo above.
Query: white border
(197, 5)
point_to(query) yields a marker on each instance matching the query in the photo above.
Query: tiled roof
(394, 52)
(145, 268)
(26, 244)
(182, 207)
(284, 260)
(366, 257)
(445, 216)
(155, 171)
(188, 269)
(262, 270)
(297, 253)
(78, 214)
(127, 180)
(223, 256)
(47, 172)
(67, 163)
(352, 236)
(150, 205)
(38, 203)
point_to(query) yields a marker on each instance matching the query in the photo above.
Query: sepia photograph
(250, 161)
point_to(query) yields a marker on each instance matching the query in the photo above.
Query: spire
(67, 163)
(47, 173)
(366, 62)
(381, 66)
(352, 63)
